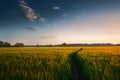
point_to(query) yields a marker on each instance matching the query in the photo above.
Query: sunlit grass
(52, 63)
(101, 63)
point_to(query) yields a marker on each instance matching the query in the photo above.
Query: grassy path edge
(76, 65)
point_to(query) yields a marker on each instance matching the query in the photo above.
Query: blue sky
(58, 21)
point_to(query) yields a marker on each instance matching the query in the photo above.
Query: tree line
(92, 44)
(19, 44)
(7, 44)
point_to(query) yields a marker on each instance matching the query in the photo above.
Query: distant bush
(64, 44)
(19, 45)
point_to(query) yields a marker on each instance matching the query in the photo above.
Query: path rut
(76, 65)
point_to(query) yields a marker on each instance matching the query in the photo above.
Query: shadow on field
(76, 63)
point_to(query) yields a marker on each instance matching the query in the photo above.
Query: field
(60, 63)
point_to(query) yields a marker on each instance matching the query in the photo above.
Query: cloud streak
(42, 19)
(65, 15)
(29, 12)
(116, 25)
(33, 28)
(47, 37)
(56, 8)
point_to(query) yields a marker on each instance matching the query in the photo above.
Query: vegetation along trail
(76, 65)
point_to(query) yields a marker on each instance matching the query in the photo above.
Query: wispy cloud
(63, 21)
(43, 20)
(47, 37)
(56, 7)
(52, 24)
(65, 15)
(116, 25)
(33, 28)
(29, 12)
(78, 16)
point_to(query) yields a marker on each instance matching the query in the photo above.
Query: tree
(117, 44)
(4, 44)
(7, 44)
(37, 45)
(19, 44)
(64, 44)
(1, 43)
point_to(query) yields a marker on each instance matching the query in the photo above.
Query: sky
(58, 21)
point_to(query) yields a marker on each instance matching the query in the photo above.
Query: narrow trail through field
(76, 65)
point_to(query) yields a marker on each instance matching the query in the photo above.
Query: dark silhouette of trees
(117, 44)
(37, 45)
(1, 43)
(4, 44)
(7, 44)
(19, 44)
(64, 44)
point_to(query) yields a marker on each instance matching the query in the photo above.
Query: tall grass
(34, 64)
(52, 63)
(101, 63)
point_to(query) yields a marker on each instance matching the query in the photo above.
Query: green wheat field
(60, 63)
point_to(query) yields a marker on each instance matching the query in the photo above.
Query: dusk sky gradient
(58, 21)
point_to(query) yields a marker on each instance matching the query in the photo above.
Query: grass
(55, 63)
(101, 63)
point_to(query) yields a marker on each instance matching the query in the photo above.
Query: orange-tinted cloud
(29, 12)
(116, 25)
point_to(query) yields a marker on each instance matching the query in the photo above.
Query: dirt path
(76, 65)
